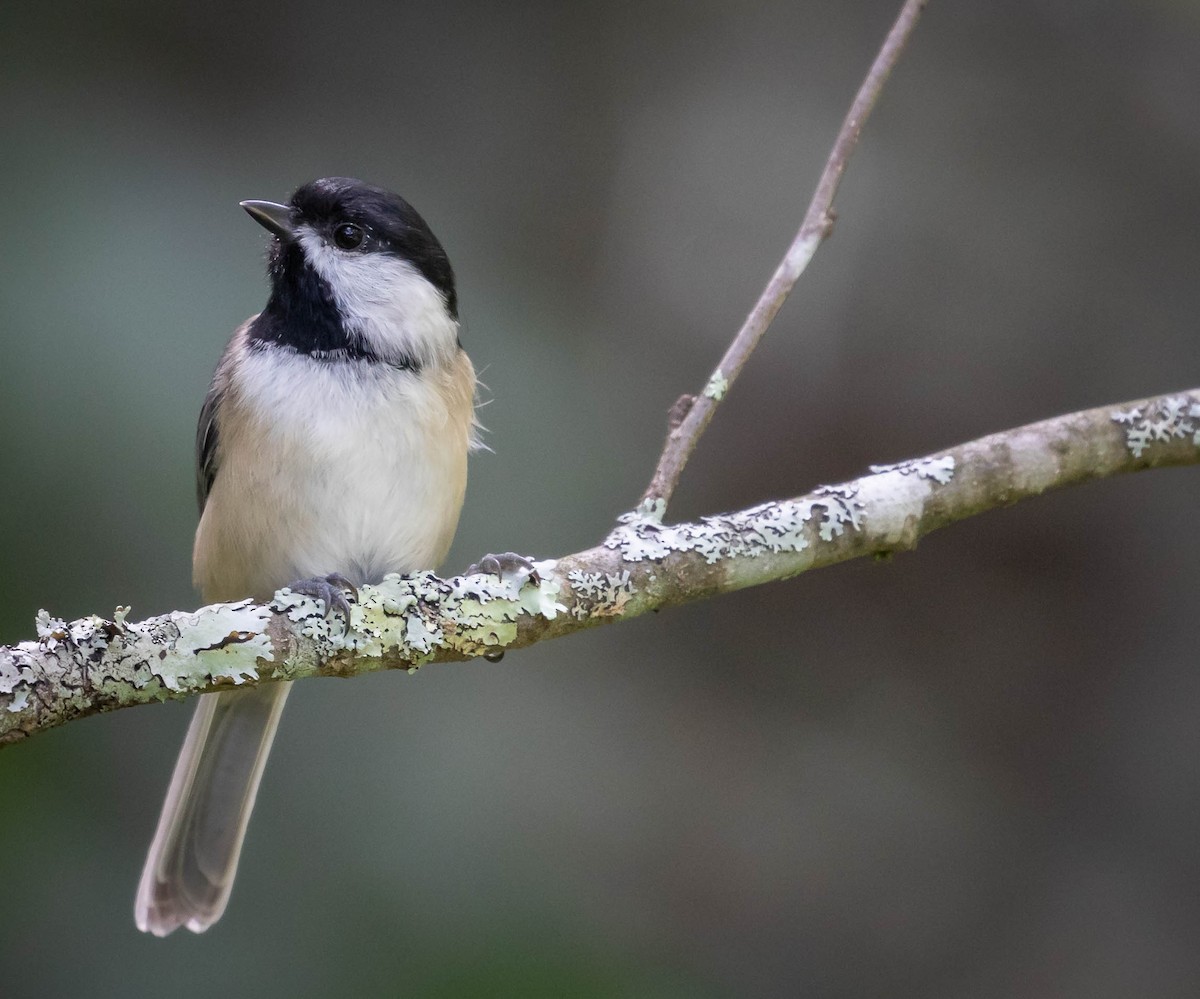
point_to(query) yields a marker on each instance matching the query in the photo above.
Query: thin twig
(818, 221)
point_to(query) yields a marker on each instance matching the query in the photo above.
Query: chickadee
(331, 450)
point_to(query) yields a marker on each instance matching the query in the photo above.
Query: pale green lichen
(49, 629)
(467, 614)
(937, 469)
(73, 664)
(771, 527)
(121, 662)
(600, 594)
(420, 636)
(717, 386)
(651, 510)
(219, 643)
(1172, 417)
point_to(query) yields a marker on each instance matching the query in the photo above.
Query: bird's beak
(274, 218)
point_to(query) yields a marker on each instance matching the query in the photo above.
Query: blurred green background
(972, 771)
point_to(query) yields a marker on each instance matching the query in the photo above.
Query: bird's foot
(331, 590)
(507, 566)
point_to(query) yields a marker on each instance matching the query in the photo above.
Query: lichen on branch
(99, 664)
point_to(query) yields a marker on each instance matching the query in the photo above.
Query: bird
(331, 450)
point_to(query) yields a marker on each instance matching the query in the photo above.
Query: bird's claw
(509, 568)
(330, 590)
(505, 566)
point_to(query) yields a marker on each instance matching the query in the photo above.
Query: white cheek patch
(387, 301)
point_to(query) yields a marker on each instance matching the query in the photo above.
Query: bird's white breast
(333, 466)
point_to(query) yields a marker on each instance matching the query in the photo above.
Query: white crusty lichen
(127, 662)
(1172, 417)
(651, 510)
(601, 594)
(74, 665)
(770, 527)
(939, 469)
(717, 386)
(219, 643)
(471, 614)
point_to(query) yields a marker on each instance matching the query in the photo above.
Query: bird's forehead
(335, 198)
(326, 205)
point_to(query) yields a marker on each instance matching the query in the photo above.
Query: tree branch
(95, 664)
(691, 415)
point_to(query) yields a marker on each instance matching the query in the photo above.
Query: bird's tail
(189, 871)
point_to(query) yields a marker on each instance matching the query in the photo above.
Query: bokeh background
(973, 771)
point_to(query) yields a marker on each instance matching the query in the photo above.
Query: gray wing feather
(208, 458)
(206, 443)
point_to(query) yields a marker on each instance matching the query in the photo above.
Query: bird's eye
(348, 236)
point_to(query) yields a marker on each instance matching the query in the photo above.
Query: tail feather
(189, 871)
